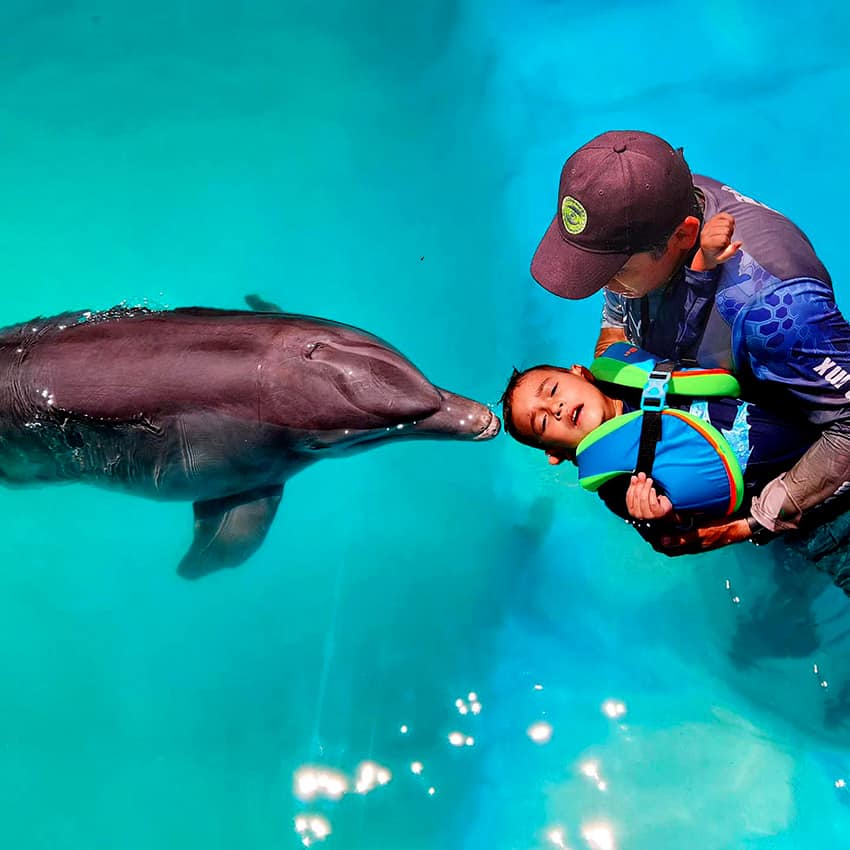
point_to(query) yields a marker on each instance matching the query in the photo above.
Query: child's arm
(715, 243)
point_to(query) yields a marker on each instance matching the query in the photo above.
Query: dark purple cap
(620, 194)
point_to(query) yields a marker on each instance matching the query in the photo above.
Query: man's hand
(715, 242)
(710, 535)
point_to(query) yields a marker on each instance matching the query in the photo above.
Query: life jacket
(691, 461)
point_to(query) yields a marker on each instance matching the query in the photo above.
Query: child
(555, 409)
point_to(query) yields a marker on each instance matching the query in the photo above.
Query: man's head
(554, 409)
(627, 218)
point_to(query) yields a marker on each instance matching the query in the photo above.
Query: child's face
(557, 408)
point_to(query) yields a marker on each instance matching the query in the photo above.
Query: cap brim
(569, 272)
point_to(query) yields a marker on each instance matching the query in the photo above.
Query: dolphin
(216, 407)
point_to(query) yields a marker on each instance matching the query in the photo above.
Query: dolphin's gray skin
(217, 407)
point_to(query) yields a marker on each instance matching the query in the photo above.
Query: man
(628, 220)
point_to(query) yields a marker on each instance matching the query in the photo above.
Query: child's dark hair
(507, 399)
(507, 413)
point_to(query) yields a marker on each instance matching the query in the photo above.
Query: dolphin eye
(311, 348)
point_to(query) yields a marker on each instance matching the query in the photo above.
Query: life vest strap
(652, 402)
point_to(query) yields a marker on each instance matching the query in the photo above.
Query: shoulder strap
(652, 402)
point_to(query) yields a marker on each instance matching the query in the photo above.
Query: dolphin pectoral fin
(229, 530)
(260, 305)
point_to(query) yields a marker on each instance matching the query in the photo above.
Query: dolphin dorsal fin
(260, 305)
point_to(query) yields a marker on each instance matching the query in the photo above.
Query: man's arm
(805, 352)
(811, 361)
(608, 336)
(613, 322)
(821, 473)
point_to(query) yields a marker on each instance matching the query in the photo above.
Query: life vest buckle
(654, 395)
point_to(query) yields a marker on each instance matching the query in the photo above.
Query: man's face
(643, 274)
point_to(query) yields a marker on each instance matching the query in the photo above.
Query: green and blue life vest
(688, 457)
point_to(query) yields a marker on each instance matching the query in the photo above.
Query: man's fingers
(680, 544)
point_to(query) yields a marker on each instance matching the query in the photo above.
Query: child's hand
(715, 243)
(642, 502)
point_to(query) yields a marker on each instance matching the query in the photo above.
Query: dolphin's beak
(491, 429)
(460, 418)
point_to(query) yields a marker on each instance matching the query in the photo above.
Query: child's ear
(583, 372)
(555, 459)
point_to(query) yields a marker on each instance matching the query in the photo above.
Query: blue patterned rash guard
(768, 314)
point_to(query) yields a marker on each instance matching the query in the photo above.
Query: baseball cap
(620, 194)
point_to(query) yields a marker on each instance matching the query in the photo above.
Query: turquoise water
(393, 166)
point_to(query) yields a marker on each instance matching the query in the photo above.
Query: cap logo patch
(573, 214)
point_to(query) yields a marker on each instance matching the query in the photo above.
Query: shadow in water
(782, 623)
